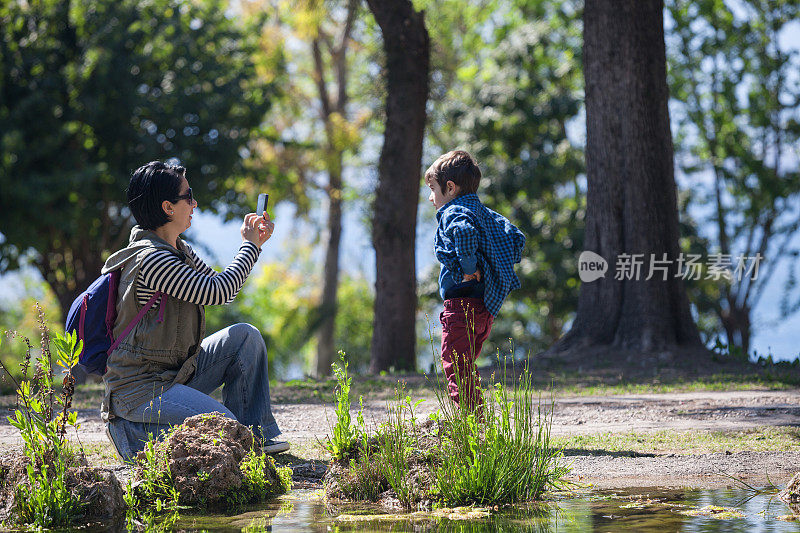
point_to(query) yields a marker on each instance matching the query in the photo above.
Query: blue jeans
(236, 358)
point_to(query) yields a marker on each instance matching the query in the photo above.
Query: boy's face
(438, 197)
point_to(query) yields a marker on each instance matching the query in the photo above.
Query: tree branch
(319, 78)
(340, 57)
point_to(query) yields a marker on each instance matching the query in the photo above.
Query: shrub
(42, 418)
(19, 317)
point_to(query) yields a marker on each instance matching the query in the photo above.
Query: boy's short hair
(457, 166)
(150, 185)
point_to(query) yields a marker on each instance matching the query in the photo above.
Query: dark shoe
(274, 446)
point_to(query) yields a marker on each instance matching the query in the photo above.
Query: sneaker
(274, 446)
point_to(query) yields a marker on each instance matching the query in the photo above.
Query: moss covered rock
(211, 461)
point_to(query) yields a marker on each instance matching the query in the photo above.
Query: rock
(12, 473)
(204, 456)
(791, 494)
(100, 491)
(96, 488)
(313, 472)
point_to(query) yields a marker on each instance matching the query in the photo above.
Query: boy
(477, 249)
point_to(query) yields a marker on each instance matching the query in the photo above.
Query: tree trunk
(327, 308)
(631, 193)
(334, 157)
(405, 41)
(736, 321)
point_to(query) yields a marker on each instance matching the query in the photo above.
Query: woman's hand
(257, 229)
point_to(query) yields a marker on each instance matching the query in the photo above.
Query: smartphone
(263, 198)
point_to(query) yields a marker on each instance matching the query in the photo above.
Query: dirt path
(303, 421)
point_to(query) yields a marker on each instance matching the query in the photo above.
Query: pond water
(639, 510)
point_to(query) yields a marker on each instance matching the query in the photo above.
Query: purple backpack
(93, 314)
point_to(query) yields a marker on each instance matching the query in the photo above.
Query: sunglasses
(188, 196)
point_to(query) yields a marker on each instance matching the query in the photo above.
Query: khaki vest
(156, 354)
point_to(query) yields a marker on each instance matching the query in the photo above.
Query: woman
(164, 370)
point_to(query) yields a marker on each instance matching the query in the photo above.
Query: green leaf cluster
(736, 101)
(90, 91)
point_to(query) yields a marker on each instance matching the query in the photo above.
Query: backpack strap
(139, 317)
(111, 308)
(82, 320)
(111, 304)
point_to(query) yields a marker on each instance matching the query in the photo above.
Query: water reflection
(639, 510)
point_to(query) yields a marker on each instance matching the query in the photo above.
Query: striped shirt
(164, 271)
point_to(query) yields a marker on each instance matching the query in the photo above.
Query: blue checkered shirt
(472, 237)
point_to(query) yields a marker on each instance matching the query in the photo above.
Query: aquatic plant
(345, 435)
(363, 479)
(501, 451)
(42, 418)
(399, 439)
(157, 486)
(256, 482)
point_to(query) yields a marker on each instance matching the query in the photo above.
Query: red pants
(465, 326)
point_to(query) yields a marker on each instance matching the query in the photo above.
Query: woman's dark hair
(150, 185)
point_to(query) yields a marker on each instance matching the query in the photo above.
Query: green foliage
(346, 435)
(299, 142)
(155, 502)
(364, 480)
(19, 315)
(510, 86)
(500, 453)
(284, 475)
(354, 320)
(735, 101)
(256, 483)
(42, 418)
(157, 490)
(281, 301)
(45, 501)
(92, 90)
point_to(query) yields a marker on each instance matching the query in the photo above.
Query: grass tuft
(501, 452)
